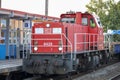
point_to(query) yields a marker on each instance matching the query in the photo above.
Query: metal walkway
(106, 73)
(10, 65)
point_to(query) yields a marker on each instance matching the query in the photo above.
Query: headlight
(60, 45)
(35, 48)
(60, 48)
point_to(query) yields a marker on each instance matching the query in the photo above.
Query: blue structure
(116, 48)
(12, 51)
(2, 51)
(114, 32)
(3, 47)
(118, 32)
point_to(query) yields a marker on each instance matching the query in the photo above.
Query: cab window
(92, 23)
(68, 20)
(85, 21)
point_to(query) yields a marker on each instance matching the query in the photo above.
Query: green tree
(108, 11)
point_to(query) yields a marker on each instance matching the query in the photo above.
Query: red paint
(88, 37)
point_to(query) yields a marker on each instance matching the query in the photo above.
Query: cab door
(93, 30)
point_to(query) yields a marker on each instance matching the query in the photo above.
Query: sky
(56, 7)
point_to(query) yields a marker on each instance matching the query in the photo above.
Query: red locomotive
(75, 43)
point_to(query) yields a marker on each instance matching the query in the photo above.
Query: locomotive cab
(90, 23)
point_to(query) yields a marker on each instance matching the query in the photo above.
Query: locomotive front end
(47, 38)
(48, 48)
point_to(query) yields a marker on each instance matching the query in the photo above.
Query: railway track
(74, 75)
(117, 77)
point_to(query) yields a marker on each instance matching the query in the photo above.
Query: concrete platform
(10, 65)
(106, 73)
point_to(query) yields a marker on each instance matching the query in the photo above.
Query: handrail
(70, 45)
(87, 41)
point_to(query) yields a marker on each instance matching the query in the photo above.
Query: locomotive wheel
(9, 76)
(106, 58)
(95, 61)
(101, 59)
(69, 76)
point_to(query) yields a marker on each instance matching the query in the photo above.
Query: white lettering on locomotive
(46, 44)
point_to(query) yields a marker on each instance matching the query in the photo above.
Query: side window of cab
(84, 21)
(92, 23)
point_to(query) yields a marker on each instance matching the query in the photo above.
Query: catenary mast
(46, 7)
(0, 4)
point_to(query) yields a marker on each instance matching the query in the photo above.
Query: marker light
(47, 25)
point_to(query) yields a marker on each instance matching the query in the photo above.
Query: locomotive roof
(73, 13)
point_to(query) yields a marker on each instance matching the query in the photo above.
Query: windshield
(68, 20)
(99, 22)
